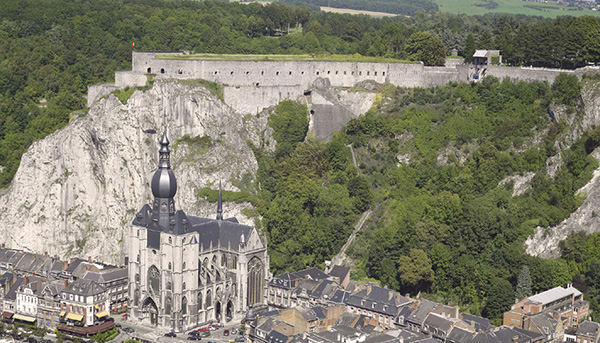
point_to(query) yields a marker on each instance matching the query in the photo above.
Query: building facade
(185, 270)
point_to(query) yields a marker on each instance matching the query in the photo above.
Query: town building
(84, 308)
(564, 304)
(587, 332)
(185, 270)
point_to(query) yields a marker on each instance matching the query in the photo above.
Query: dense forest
(442, 222)
(445, 221)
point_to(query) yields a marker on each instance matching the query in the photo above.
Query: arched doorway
(229, 311)
(218, 311)
(150, 310)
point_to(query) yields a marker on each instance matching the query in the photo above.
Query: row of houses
(316, 307)
(75, 296)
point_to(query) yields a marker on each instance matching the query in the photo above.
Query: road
(156, 335)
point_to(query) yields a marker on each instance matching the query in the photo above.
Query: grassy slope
(510, 6)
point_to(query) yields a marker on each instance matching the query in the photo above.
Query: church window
(205, 262)
(170, 242)
(199, 301)
(218, 277)
(136, 297)
(168, 305)
(368, 73)
(170, 266)
(183, 241)
(223, 260)
(208, 299)
(375, 73)
(234, 262)
(137, 277)
(163, 207)
(255, 281)
(154, 279)
(138, 233)
(162, 70)
(183, 287)
(169, 285)
(214, 259)
(184, 305)
(153, 252)
(149, 70)
(183, 268)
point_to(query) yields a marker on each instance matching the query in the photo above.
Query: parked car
(194, 333)
(220, 325)
(205, 334)
(194, 338)
(240, 340)
(118, 325)
(226, 333)
(211, 341)
(170, 334)
(234, 331)
(129, 330)
(204, 329)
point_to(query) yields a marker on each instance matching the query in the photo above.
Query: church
(185, 271)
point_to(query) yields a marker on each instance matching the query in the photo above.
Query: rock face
(544, 242)
(76, 190)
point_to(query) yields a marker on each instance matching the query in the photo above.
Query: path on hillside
(341, 257)
(353, 158)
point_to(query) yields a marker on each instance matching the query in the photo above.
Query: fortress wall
(128, 78)
(252, 99)
(525, 73)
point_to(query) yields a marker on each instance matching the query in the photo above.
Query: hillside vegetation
(444, 222)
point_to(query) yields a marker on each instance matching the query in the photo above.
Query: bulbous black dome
(164, 184)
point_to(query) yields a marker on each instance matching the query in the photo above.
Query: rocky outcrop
(544, 242)
(77, 190)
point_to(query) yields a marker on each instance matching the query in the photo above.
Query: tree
(415, 270)
(425, 47)
(469, 48)
(500, 297)
(566, 89)
(290, 124)
(523, 284)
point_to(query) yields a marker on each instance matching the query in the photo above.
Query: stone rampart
(252, 85)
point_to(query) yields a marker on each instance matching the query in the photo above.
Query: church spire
(220, 203)
(164, 186)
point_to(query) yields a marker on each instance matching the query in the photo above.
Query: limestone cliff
(544, 242)
(77, 190)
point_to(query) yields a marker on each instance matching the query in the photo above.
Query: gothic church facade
(184, 270)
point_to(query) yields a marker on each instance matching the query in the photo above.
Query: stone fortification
(252, 85)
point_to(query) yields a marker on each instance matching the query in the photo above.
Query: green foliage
(390, 6)
(447, 201)
(289, 121)
(426, 47)
(523, 284)
(214, 88)
(131, 341)
(124, 94)
(566, 89)
(104, 336)
(469, 48)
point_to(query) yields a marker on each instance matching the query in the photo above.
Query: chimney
(65, 265)
(27, 280)
(515, 339)
(368, 289)
(66, 282)
(456, 312)
(45, 253)
(3, 245)
(90, 259)
(390, 295)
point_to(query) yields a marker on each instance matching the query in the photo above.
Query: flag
(132, 44)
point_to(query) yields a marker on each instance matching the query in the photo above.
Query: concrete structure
(185, 271)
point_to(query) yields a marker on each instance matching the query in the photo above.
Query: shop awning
(7, 314)
(62, 314)
(101, 314)
(24, 318)
(75, 316)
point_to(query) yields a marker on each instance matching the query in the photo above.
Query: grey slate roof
(544, 322)
(312, 273)
(383, 338)
(420, 313)
(84, 287)
(588, 329)
(378, 299)
(12, 292)
(73, 265)
(284, 280)
(458, 335)
(319, 312)
(107, 276)
(479, 323)
(276, 337)
(503, 335)
(339, 272)
(340, 296)
(438, 325)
